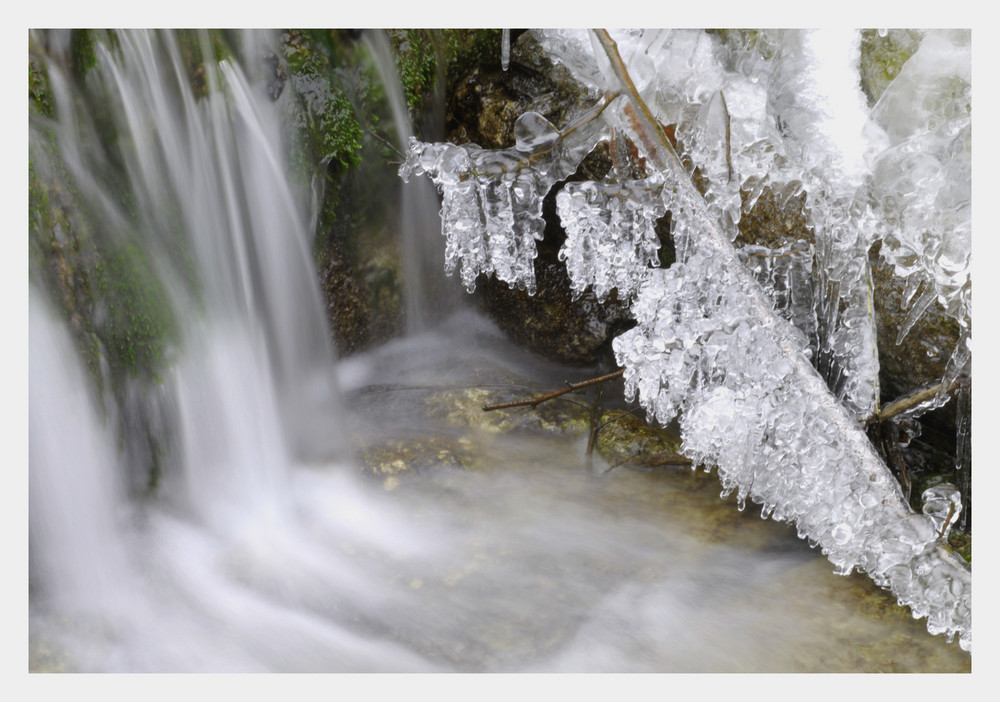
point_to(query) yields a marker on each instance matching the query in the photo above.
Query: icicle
(505, 49)
(963, 450)
(942, 503)
(917, 310)
(610, 237)
(491, 214)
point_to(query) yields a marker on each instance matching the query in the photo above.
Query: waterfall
(428, 299)
(254, 386)
(75, 499)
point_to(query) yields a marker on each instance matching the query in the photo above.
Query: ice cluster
(766, 356)
(786, 275)
(750, 406)
(491, 211)
(921, 186)
(611, 241)
(768, 109)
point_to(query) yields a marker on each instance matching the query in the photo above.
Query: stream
(527, 561)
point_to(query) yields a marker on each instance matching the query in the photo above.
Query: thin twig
(914, 399)
(385, 142)
(657, 459)
(570, 387)
(947, 520)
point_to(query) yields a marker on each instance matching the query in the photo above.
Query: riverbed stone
(627, 440)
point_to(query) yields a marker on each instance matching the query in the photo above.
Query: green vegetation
(139, 320)
(418, 52)
(416, 61)
(328, 129)
(883, 56)
(82, 49)
(39, 99)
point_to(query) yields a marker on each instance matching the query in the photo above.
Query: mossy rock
(364, 304)
(883, 54)
(775, 220)
(391, 460)
(626, 439)
(464, 409)
(327, 126)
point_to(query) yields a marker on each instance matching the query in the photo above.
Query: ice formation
(749, 403)
(776, 406)
(921, 190)
(610, 234)
(491, 214)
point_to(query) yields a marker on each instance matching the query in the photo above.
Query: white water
(428, 299)
(267, 551)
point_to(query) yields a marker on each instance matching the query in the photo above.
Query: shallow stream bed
(459, 540)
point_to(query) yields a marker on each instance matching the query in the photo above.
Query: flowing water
(268, 548)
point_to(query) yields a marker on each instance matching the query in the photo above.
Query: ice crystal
(491, 211)
(785, 273)
(921, 187)
(611, 239)
(942, 503)
(763, 109)
(747, 402)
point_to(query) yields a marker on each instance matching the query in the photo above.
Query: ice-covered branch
(710, 348)
(491, 214)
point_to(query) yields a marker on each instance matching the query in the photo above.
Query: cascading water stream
(264, 549)
(428, 298)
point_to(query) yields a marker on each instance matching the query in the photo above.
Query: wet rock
(775, 220)
(484, 103)
(629, 441)
(344, 296)
(388, 460)
(553, 324)
(920, 357)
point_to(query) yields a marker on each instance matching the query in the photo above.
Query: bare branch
(570, 387)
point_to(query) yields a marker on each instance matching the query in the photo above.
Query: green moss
(883, 56)
(140, 322)
(327, 127)
(743, 41)
(39, 98)
(82, 48)
(465, 47)
(626, 439)
(416, 61)
(418, 52)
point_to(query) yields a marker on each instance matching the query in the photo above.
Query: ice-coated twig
(491, 211)
(710, 347)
